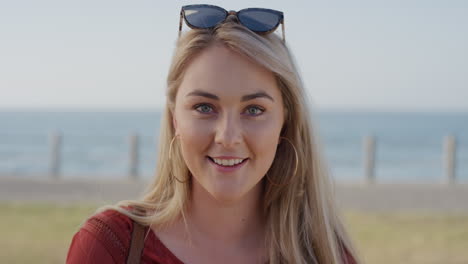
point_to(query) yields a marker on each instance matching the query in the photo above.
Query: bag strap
(136, 243)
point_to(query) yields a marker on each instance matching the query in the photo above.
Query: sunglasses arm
(180, 22)
(282, 30)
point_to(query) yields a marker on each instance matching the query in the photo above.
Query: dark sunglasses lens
(204, 17)
(258, 20)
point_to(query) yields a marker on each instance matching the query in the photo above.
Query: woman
(239, 177)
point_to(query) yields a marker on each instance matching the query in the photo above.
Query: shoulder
(105, 235)
(110, 227)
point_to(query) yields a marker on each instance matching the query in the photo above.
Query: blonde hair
(303, 225)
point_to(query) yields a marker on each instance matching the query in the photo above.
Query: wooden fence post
(55, 142)
(133, 157)
(369, 159)
(449, 159)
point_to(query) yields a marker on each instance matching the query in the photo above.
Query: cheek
(266, 131)
(194, 139)
(192, 129)
(263, 139)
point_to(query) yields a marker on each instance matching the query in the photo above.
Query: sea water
(409, 145)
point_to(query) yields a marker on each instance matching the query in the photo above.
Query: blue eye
(207, 109)
(254, 110)
(203, 108)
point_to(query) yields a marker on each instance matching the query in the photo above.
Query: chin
(227, 190)
(233, 194)
(226, 196)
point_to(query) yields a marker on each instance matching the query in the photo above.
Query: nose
(228, 131)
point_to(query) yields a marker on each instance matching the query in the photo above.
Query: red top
(105, 238)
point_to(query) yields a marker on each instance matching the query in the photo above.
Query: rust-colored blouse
(105, 238)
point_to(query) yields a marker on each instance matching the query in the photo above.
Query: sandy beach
(378, 197)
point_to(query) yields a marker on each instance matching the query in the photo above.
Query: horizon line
(159, 109)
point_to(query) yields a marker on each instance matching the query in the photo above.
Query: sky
(394, 55)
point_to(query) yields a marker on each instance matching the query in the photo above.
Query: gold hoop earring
(295, 168)
(170, 147)
(170, 158)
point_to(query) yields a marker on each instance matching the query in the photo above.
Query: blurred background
(82, 85)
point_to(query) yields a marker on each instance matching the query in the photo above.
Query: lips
(227, 162)
(222, 168)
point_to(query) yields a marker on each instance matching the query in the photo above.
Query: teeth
(227, 162)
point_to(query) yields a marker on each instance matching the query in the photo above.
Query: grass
(41, 233)
(409, 237)
(38, 233)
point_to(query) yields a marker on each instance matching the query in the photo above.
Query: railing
(448, 160)
(369, 157)
(55, 142)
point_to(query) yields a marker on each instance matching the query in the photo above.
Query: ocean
(96, 144)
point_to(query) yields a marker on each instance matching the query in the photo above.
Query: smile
(227, 165)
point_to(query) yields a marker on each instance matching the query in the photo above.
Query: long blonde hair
(303, 225)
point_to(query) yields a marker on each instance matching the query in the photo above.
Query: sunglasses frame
(235, 13)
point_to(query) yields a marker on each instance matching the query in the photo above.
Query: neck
(231, 223)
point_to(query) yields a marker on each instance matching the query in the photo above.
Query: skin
(224, 216)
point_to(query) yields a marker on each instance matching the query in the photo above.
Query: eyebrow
(243, 99)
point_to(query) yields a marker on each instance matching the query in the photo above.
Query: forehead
(224, 72)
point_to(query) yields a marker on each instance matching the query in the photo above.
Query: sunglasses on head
(258, 20)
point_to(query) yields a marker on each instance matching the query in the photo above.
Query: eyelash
(249, 107)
